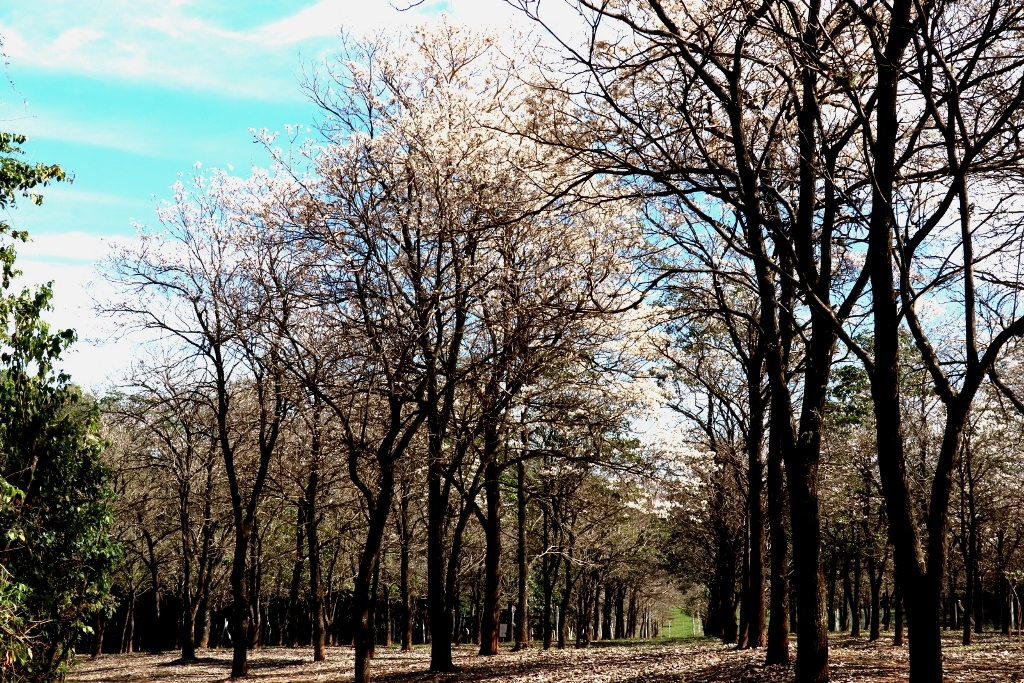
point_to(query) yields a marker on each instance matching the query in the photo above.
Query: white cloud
(323, 19)
(162, 43)
(164, 48)
(68, 261)
(169, 43)
(73, 246)
(125, 136)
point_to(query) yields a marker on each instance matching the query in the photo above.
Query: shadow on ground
(993, 658)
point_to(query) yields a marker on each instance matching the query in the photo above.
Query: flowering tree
(440, 229)
(191, 286)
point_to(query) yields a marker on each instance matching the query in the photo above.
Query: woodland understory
(992, 658)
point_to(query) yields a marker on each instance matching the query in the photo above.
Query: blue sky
(127, 94)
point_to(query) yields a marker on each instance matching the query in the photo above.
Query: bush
(55, 548)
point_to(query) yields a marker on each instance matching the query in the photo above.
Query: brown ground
(993, 658)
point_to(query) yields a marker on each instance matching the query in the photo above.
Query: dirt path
(852, 661)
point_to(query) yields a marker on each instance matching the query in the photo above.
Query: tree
(172, 447)
(944, 93)
(712, 108)
(196, 286)
(56, 551)
(441, 227)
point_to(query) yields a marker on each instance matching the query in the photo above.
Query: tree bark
(523, 625)
(550, 563)
(99, 626)
(492, 561)
(240, 601)
(294, 613)
(188, 617)
(876, 571)
(897, 638)
(631, 615)
(315, 590)
(375, 600)
(437, 601)
(606, 613)
(405, 536)
(620, 611)
(152, 563)
(255, 576)
(754, 634)
(778, 627)
(855, 598)
(363, 598)
(128, 637)
(565, 602)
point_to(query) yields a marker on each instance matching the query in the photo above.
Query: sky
(127, 94)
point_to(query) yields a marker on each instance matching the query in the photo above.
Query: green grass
(681, 626)
(680, 630)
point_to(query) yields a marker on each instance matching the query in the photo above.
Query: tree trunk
(375, 593)
(919, 576)
(153, 643)
(897, 638)
(1006, 601)
(968, 601)
(294, 613)
(315, 590)
(978, 602)
(969, 546)
(99, 626)
(403, 588)
(255, 575)
(203, 614)
(437, 604)
(606, 613)
(585, 604)
(631, 615)
(240, 601)
(802, 461)
(549, 575)
(844, 613)
(128, 637)
(802, 477)
(620, 609)
(727, 615)
(725, 580)
(363, 598)
(207, 560)
(492, 561)
(875, 575)
(523, 607)
(188, 618)
(778, 626)
(855, 601)
(753, 628)
(833, 584)
(564, 606)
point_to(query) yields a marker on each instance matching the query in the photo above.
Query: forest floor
(992, 658)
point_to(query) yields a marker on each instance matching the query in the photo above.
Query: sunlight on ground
(993, 658)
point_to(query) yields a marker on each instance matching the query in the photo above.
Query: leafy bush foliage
(55, 549)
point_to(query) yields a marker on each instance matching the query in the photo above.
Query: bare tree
(187, 285)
